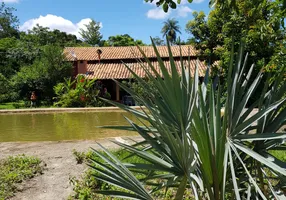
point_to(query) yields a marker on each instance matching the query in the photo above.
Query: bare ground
(61, 165)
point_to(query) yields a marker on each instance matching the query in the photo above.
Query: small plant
(16, 169)
(79, 156)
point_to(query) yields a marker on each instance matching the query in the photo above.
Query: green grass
(14, 170)
(22, 104)
(13, 105)
(279, 154)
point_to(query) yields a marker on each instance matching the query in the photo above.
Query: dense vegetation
(14, 170)
(33, 60)
(259, 23)
(80, 92)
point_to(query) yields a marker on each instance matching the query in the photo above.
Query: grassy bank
(13, 105)
(14, 170)
(23, 104)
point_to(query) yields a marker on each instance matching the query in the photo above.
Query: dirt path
(61, 165)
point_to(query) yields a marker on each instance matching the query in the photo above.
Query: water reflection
(61, 126)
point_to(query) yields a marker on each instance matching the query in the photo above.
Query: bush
(46, 71)
(7, 93)
(80, 93)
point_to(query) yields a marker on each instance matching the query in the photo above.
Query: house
(108, 63)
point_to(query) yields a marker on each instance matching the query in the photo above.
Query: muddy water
(61, 126)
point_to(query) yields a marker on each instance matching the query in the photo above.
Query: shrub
(190, 146)
(80, 92)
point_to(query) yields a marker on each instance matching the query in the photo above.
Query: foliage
(205, 39)
(41, 36)
(166, 4)
(7, 93)
(13, 105)
(80, 92)
(16, 169)
(138, 88)
(121, 40)
(8, 22)
(260, 23)
(188, 144)
(158, 41)
(170, 30)
(43, 74)
(91, 34)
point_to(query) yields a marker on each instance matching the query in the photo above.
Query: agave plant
(189, 145)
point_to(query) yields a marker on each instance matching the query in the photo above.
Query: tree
(158, 41)
(205, 38)
(41, 36)
(6, 66)
(166, 4)
(122, 40)
(8, 22)
(259, 23)
(170, 29)
(92, 33)
(45, 72)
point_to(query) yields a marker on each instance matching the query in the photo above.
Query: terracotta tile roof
(120, 53)
(119, 70)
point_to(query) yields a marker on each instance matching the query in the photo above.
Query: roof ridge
(150, 46)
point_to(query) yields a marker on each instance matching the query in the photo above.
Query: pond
(61, 126)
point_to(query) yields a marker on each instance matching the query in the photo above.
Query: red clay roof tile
(119, 70)
(120, 53)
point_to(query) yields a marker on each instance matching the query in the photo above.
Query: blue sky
(134, 17)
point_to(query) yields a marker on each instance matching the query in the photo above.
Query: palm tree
(170, 29)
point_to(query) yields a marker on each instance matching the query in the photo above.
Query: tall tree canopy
(8, 22)
(41, 36)
(92, 33)
(259, 23)
(166, 4)
(170, 29)
(121, 40)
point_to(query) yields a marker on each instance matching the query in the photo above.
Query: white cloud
(56, 22)
(183, 11)
(157, 13)
(9, 1)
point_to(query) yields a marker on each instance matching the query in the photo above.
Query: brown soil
(60, 163)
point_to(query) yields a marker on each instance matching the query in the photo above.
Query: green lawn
(21, 104)
(279, 154)
(13, 105)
